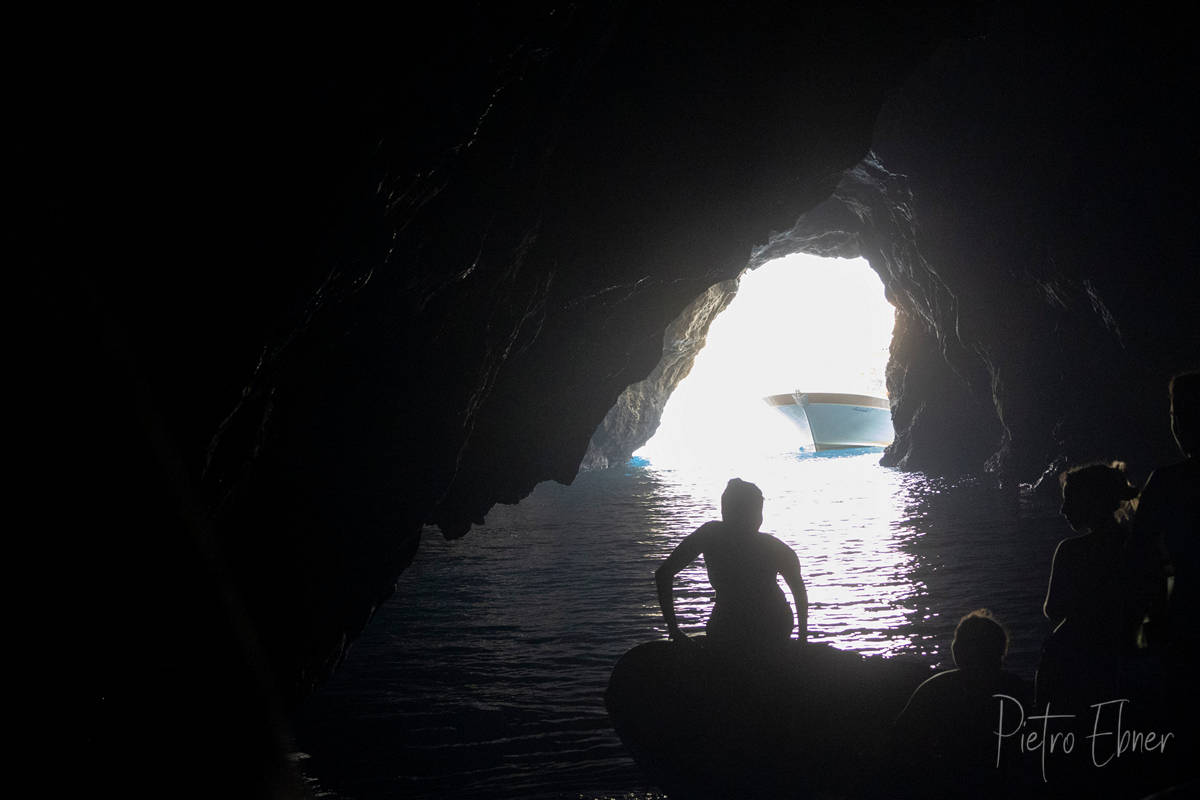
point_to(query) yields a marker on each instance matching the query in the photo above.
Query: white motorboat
(838, 421)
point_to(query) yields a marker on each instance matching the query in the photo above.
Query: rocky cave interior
(290, 308)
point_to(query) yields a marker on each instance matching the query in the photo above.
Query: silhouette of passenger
(750, 612)
(1089, 599)
(1169, 515)
(945, 738)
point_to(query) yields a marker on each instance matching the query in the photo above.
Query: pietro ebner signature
(1050, 733)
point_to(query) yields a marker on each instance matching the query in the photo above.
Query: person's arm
(914, 721)
(664, 577)
(1059, 590)
(1152, 529)
(1152, 562)
(1147, 516)
(790, 570)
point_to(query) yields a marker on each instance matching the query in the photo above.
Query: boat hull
(812, 722)
(838, 421)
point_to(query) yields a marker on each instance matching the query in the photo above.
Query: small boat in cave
(813, 723)
(838, 421)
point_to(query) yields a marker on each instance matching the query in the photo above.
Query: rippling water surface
(484, 676)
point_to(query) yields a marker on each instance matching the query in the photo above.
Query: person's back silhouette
(1169, 515)
(1168, 523)
(750, 612)
(944, 741)
(1090, 594)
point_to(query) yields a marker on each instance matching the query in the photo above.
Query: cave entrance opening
(798, 323)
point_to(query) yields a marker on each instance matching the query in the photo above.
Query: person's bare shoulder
(779, 547)
(706, 533)
(1068, 547)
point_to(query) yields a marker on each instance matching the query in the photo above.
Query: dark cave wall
(1046, 166)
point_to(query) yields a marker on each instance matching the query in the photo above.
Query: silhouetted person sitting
(1090, 599)
(945, 738)
(750, 612)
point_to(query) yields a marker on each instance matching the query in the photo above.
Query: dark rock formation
(1045, 166)
(941, 397)
(291, 305)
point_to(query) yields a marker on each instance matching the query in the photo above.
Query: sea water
(484, 675)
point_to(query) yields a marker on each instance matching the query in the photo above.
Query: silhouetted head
(1185, 412)
(1094, 493)
(742, 505)
(979, 641)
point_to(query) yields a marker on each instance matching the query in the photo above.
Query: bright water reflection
(484, 676)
